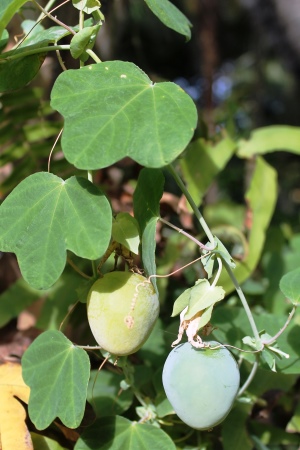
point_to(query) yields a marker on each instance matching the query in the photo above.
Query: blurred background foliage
(241, 67)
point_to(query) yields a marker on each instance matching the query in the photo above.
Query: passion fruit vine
(122, 308)
(201, 384)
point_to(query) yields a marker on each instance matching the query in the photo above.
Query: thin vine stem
(192, 203)
(94, 262)
(54, 19)
(244, 301)
(33, 51)
(211, 239)
(46, 8)
(202, 246)
(249, 379)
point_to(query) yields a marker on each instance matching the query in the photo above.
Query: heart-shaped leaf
(113, 110)
(57, 373)
(44, 216)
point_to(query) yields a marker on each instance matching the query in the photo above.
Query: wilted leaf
(13, 430)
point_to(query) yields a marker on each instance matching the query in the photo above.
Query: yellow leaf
(14, 434)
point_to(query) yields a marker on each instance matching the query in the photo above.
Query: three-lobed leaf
(44, 216)
(57, 373)
(113, 110)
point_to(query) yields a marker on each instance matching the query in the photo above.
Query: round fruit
(201, 384)
(122, 308)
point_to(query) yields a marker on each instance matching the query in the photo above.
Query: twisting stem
(192, 203)
(273, 339)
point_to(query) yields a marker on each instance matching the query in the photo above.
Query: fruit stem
(249, 379)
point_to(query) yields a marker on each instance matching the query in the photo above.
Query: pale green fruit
(201, 384)
(122, 308)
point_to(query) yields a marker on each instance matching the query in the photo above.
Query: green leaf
(8, 8)
(125, 230)
(88, 6)
(57, 373)
(203, 295)
(44, 216)
(24, 69)
(44, 443)
(294, 423)
(181, 302)
(4, 39)
(234, 430)
(232, 325)
(270, 139)
(170, 16)
(83, 40)
(261, 200)
(146, 200)
(113, 110)
(105, 394)
(290, 286)
(118, 433)
(202, 162)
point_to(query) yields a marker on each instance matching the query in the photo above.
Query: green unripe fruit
(201, 384)
(122, 308)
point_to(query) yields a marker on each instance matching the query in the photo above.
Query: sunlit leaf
(261, 200)
(181, 302)
(44, 216)
(7, 10)
(125, 230)
(57, 373)
(118, 433)
(203, 295)
(270, 139)
(87, 6)
(170, 16)
(100, 103)
(202, 162)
